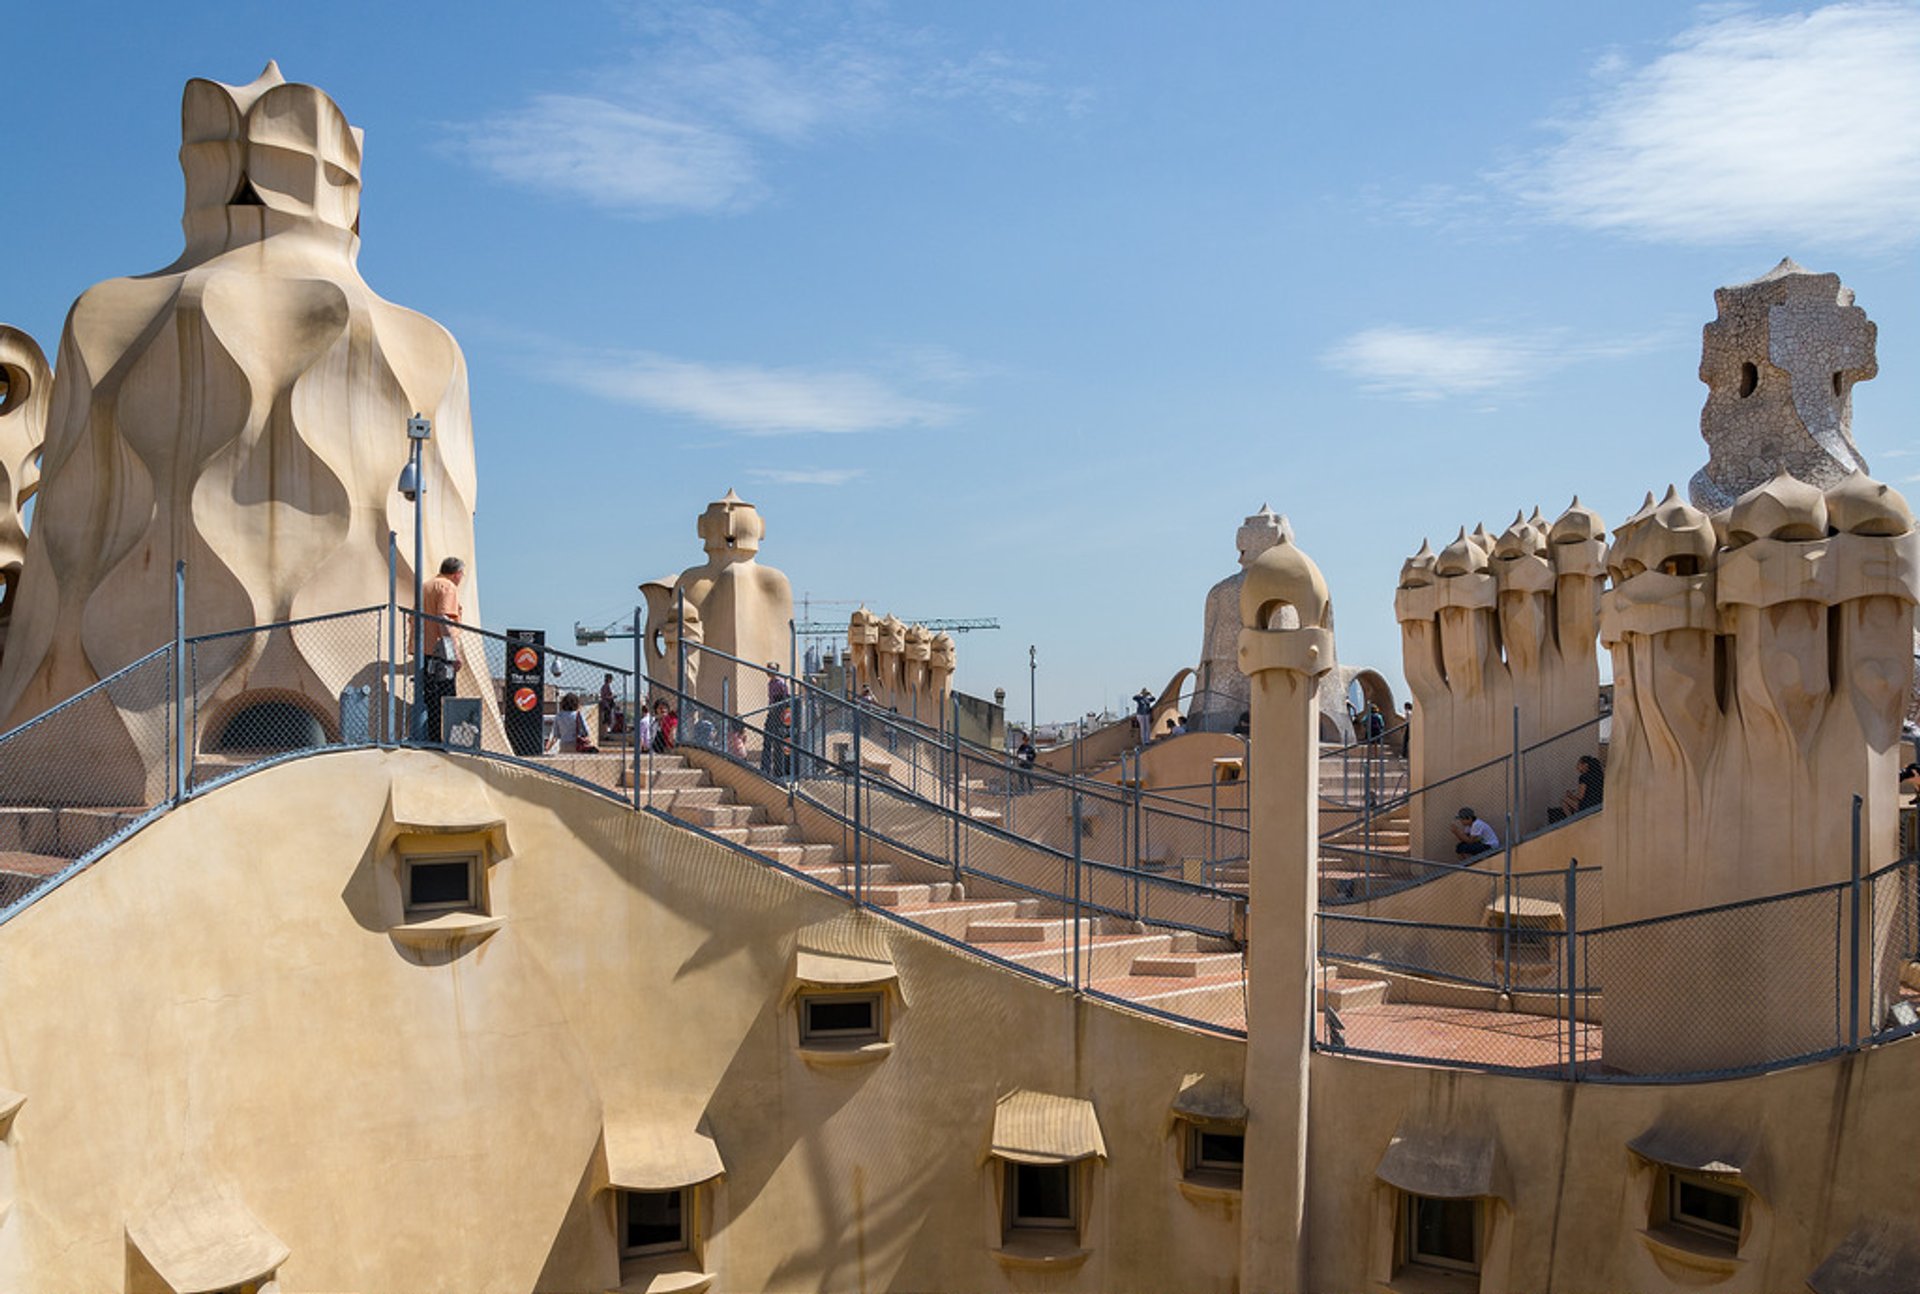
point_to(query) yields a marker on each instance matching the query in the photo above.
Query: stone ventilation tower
(243, 410)
(1780, 362)
(26, 387)
(734, 604)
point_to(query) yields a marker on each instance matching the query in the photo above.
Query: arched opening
(14, 387)
(1330, 729)
(1368, 687)
(1749, 378)
(269, 726)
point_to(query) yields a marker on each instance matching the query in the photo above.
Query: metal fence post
(1853, 952)
(956, 787)
(1140, 821)
(1075, 917)
(1570, 968)
(637, 700)
(1513, 816)
(179, 733)
(393, 635)
(1519, 790)
(858, 850)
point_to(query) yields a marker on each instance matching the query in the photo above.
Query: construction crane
(804, 625)
(834, 628)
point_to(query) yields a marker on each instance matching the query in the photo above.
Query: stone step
(65, 831)
(1221, 999)
(725, 815)
(954, 919)
(1101, 957)
(759, 835)
(672, 801)
(673, 779)
(22, 873)
(840, 873)
(1343, 993)
(1027, 930)
(1190, 965)
(798, 855)
(895, 894)
(662, 763)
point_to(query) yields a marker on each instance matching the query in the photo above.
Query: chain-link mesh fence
(260, 694)
(1523, 978)
(84, 773)
(915, 824)
(1727, 990)
(1560, 778)
(1892, 1007)
(1368, 1003)
(516, 697)
(1366, 772)
(1379, 837)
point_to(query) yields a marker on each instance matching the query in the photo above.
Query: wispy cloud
(754, 398)
(807, 475)
(1444, 363)
(1798, 127)
(617, 157)
(688, 120)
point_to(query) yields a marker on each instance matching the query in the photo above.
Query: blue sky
(1016, 309)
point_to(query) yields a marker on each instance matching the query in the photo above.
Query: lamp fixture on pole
(413, 487)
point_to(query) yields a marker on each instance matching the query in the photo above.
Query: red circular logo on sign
(525, 698)
(526, 660)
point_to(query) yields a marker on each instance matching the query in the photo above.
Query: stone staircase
(36, 844)
(1176, 971)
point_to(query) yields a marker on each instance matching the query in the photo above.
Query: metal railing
(919, 824)
(1484, 968)
(897, 816)
(1520, 975)
(1370, 811)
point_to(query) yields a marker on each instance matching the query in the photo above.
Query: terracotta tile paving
(1510, 1039)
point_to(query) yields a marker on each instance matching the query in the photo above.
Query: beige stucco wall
(1831, 1144)
(210, 1000)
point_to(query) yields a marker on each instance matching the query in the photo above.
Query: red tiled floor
(1509, 1039)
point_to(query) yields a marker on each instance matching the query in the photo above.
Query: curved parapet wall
(244, 411)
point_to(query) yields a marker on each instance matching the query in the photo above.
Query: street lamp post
(1033, 708)
(413, 486)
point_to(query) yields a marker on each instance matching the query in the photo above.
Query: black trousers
(432, 692)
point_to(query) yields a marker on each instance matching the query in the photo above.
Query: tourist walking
(440, 666)
(775, 749)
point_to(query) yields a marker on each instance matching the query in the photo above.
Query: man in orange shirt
(440, 598)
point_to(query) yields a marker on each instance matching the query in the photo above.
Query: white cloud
(1016, 89)
(807, 475)
(616, 157)
(1803, 127)
(688, 120)
(1441, 363)
(753, 398)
